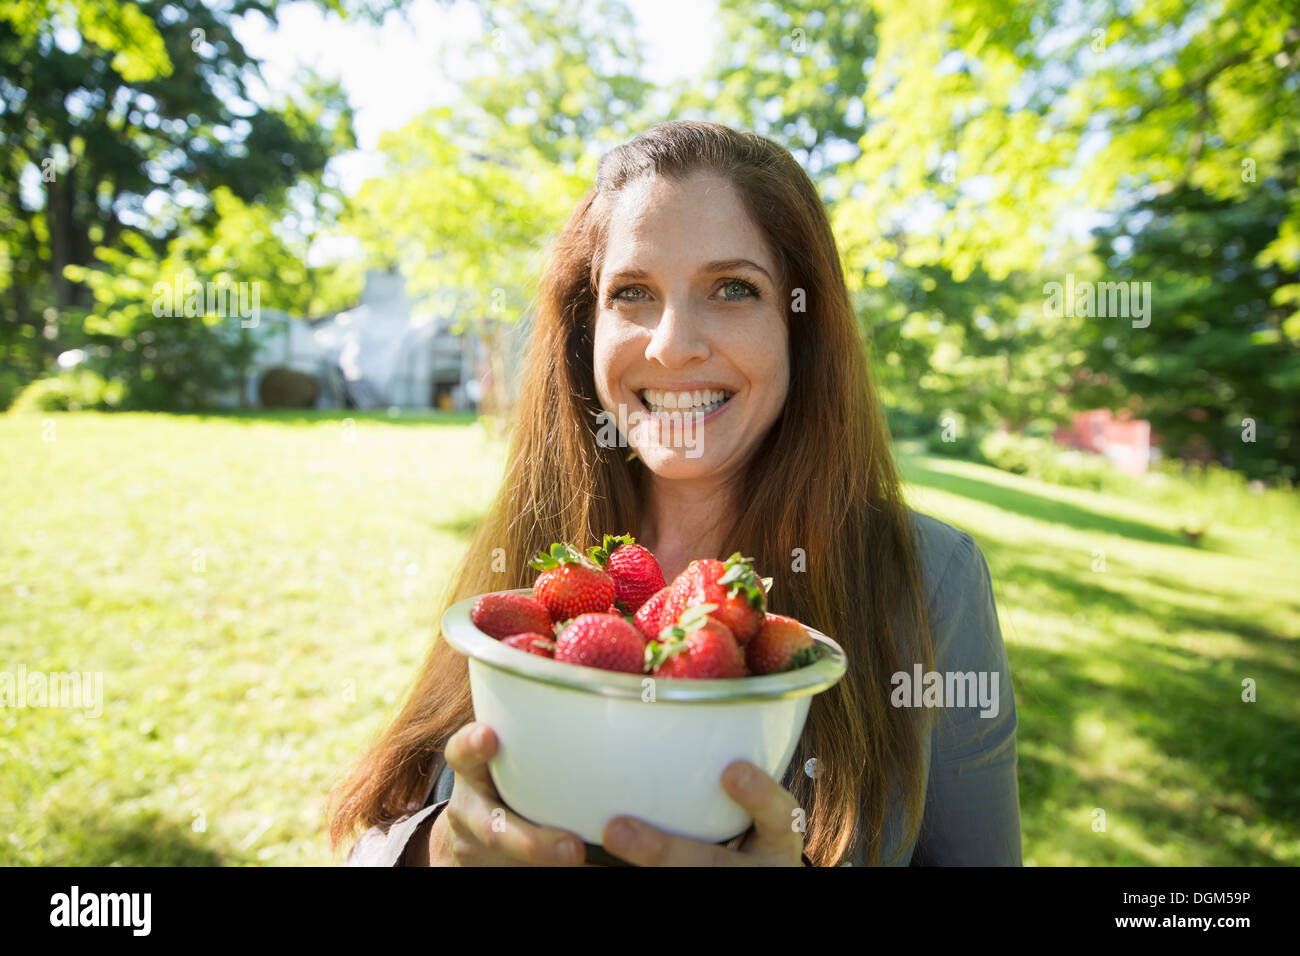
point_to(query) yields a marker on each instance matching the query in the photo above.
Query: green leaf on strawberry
(691, 619)
(740, 579)
(559, 554)
(612, 542)
(804, 657)
(656, 653)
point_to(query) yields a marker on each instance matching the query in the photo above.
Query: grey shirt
(972, 803)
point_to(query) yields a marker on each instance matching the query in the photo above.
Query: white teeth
(699, 402)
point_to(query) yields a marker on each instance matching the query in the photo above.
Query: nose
(677, 339)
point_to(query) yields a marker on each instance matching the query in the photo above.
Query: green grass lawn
(1128, 649)
(257, 591)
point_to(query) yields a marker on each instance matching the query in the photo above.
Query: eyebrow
(717, 265)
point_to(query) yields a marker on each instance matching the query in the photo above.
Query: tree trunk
(58, 213)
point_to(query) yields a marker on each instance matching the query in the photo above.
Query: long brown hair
(819, 508)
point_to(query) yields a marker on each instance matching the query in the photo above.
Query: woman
(702, 268)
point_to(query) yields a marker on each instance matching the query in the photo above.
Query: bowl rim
(459, 631)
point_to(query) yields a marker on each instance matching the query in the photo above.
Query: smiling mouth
(699, 402)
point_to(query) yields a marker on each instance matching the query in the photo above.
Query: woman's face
(690, 333)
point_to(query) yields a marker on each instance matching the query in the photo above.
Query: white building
(380, 353)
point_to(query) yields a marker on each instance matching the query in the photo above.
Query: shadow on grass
(1239, 755)
(1035, 506)
(1061, 592)
(1221, 766)
(146, 839)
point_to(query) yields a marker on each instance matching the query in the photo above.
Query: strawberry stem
(561, 553)
(600, 553)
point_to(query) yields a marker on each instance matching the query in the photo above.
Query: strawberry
(531, 644)
(781, 644)
(635, 571)
(649, 616)
(570, 584)
(501, 615)
(606, 641)
(698, 646)
(732, 586)
(618, 611)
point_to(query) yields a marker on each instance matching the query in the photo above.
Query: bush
(1044, 460)
(964, 445)
(904, 424)
(11, 384)
(69, 392)
(286, 388)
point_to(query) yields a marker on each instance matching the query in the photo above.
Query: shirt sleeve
(972, 810)
(385, 845)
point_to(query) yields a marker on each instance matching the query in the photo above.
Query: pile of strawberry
(612, 609)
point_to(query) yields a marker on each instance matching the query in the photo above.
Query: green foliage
(470, 195)
(108, 104)
(965, 444)
(981, 348)
(12, 382)
(1043, 459)
(904, 424)
(562, 76)
(428, 212)
(138, 333)
(121, 29)
(75, 390)
(1216, 354)
(956, 141)
(794, 71)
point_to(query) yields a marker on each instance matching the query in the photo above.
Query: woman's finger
(776, 813)
(467, 754)
(480, 823)
(641, 844)
(505, 834)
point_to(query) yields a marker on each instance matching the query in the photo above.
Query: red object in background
(1125, 441)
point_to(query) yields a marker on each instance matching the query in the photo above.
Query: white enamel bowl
(580, 745)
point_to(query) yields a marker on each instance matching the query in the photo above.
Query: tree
(469, 195)
(794, 71)
(985, 126)
(132, 118)
(1216, 371)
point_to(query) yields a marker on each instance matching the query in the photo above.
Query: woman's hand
(772, 841)
(476, 829)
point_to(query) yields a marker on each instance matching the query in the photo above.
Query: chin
(677, 464)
